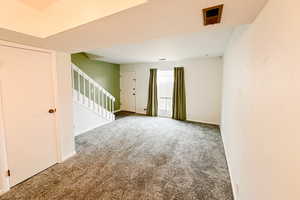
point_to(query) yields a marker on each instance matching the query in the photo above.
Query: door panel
(27, 94)
(128, 91)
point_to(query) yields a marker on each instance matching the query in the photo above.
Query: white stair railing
(89, 93)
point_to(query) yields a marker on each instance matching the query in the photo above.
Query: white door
(27, 95)
(128, 91)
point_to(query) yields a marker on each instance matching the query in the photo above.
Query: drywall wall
(64, 99)
(86, 119)
(203, 78)
(261, 109)
(106, 74)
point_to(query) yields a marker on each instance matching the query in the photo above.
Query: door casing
(4, 179)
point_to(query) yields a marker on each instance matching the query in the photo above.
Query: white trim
(68, 156)
(228, 161)
(203, 122)
(96, 84)
(4, 165)
(3, 152)
(123, 110)
(92, 102)
(117, 111)
(3, 192)
(56, 106)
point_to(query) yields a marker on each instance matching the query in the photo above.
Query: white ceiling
(39, 5)
(43, 18)
(151, 21)
(211, 42)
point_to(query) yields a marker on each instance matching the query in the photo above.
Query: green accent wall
(106, 74)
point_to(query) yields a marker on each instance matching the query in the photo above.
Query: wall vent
(212, 15)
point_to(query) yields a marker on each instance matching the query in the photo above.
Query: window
(165, 81)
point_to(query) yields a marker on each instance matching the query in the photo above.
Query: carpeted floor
(137, 158)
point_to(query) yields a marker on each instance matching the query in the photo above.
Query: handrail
(85, 76)
(95, 98)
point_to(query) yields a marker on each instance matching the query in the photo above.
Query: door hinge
(8, 172)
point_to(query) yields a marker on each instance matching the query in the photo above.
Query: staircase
(92, 101)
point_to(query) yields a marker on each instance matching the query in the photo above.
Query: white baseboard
(228, 160)
(2, 191)
(117, 111)
(203, 122)
(233, 184)
(69, 156)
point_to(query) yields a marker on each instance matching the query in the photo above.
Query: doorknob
(52, 110)
(133, 94)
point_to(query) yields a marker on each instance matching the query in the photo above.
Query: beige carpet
(137, 158)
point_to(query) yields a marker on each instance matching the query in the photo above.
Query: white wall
(203, 79)
(85, 119)
(64, 115)
(261, 105)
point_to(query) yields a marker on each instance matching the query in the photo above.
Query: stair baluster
(93, 96)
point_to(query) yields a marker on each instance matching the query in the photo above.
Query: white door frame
(4, 179)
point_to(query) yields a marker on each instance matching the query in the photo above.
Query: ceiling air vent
(212, 15)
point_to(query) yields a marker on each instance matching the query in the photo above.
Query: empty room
(149, 100)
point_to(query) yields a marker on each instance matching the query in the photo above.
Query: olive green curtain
(179, 99)
(152, 94)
